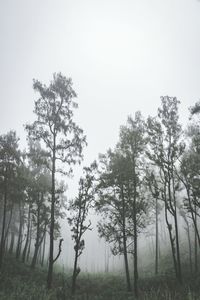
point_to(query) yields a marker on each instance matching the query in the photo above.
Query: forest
(150, 180)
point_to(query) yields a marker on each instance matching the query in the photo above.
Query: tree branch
(59, 251)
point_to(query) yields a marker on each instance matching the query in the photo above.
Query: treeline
(154, 167)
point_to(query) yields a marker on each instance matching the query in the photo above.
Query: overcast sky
(122, 56)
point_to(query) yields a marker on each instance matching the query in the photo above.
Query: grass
(18, 282)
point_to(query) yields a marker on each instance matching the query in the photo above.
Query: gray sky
(121, 55)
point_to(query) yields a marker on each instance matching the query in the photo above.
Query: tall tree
(63, 139)
(165, 149)
(123, 202)
(133, 144)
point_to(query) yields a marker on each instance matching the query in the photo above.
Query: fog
(122, 57)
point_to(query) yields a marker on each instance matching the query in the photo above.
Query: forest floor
(19, 282)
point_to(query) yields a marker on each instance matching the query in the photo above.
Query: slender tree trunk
(27, 236)
(19, 241)
(177, 248)
(43, 249)
(37, 240)
(12, 242)
(74, 276)
(169, 226)
(156, 256)
(37, 252)
(51, 246)
(6, 243)
(128, 281)
(8, 225)
(176, 229)
(29, 243)
(135, 255)
(35, 255)
(106, 259)
(2, 246)
(170, 206)
(190, 248)
(195, 242)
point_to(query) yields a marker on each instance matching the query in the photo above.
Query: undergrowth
(19, 282)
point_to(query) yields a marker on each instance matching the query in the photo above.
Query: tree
(113, 204)
(165, 149)
(63, 139)
(123, 199)
(133, 144)
(79, 208)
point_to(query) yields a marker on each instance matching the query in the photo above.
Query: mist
(99, 149)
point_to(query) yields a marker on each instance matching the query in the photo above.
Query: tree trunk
(195, 242)
(37, 240)
(190, 248)
(12, 242)
(128, 281)
(135, 233)
(169, 227)
(43, 250)
(176, 230)
(34, 259)
(19, 241)
(8, 225)
(29, 243)
(177, 247)
(27, 236)
(51, 246)
(74, 276)
(2, 246)
(156, 250)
